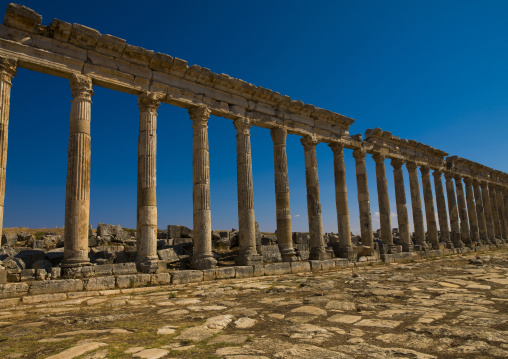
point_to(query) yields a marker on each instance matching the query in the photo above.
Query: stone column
(500, 207)
(385, 220)
(77, 195)
(147, 259)
(452, 210)
(341, 200)
(441, 210)
(284, 233)
(488, 213)
(7, 72)
(480, 213)
(495, 212)
(363, 200)
(400, 199)
(202, 257)
(430, 214)
(317, 244)
(471, 210)
(246, 220)
(461, 202)
(416, 203)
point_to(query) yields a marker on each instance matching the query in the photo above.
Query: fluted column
(317, 244)
(441, 210)
(400, 199)
(495, 212)
(147, 259)
(7, 72)
(500, 208)
(461, 202)
(341, 200)
(284, 233)
(363, 199)
(416, 203)
(385, 220)
(488, 213)
(202, 257)
(453, 211)
(471, 211)
(430, 214)
(246, 220)
(77, 196)
(480, 212)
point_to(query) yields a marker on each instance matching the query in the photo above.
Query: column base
(449, 245)
(248, 259)
(73, 271)
(148, 265)
(421, 247)
(205, 261)
(289, 255)
(435, 246)
(393, 248)
(348, 252)
(320, 254)
(406, 247)
(458, 244)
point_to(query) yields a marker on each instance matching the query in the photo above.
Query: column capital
(437, 173)
(81, 86)
(483, 185)
(7, 69)
(396, 163)
(150, 101)
(337, 148)
(359, 154)
(279, 135)
(378, 158)
(448, 176)
(242, 126)
(457, 178)
(411, 167)
(468, 181)
(476, 182)
(199, 113)
(309, 143)
(424, 170)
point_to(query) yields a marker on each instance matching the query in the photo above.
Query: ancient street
(453, 307)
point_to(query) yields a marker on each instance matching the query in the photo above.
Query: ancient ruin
(477, 195)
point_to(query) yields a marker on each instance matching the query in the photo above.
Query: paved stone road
(455, 307)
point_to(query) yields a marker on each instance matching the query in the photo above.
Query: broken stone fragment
(22, 18)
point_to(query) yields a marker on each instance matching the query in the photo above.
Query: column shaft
(430, 214)
(341, 200)
(502, 217)
(317, 244)
(363, 200)
(147, 259)
(246, 220)
(400, 199)
(488, 213)
(480, 212)
(77, 196)
(385, 220)
(471, 210)
(453, 211)
(441, 210)
(495, 212)
(7, 72)
(202, 257)
(416, 203)
(461, 202)
(284, 233)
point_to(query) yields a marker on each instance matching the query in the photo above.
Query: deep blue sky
(433, 71)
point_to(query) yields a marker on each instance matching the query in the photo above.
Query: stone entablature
(383, 142)
(64, 49)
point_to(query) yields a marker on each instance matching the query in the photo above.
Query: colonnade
(477, 208)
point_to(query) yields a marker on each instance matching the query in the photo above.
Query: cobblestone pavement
(455, 307)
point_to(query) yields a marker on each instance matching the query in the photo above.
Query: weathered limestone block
(13, 289)
(137, 55)
(60, 30)
(277, 268)
(225, 272)
(124, 268)
(84, 36)
(258, 270)
(300, 267)
(244, 271)
(186, 276)
(161, 279)
(58, 47)
(133, 280)
(40, 298)
(22, 18)
(55, 286)
(99, 283)
(103, 270)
